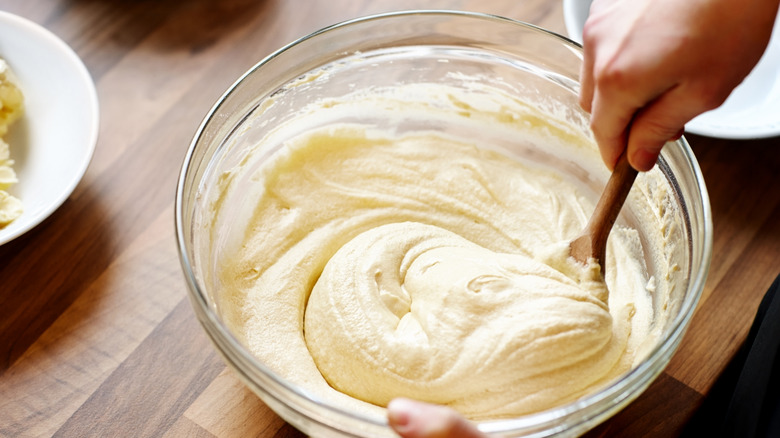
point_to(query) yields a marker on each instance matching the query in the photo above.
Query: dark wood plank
(742, 180)
(658, 412)
(288, 431)
(722, 322)
(153, 387)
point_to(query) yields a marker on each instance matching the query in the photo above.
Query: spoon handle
(593, 242)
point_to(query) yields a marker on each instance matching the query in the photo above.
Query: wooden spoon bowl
(592, 243)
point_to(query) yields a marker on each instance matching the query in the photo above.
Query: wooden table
(97, 336)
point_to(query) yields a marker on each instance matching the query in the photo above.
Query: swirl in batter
(375, 266)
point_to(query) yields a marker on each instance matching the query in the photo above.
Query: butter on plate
(11, 108)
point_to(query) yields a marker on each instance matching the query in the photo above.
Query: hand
(414, 419)
(653, 65)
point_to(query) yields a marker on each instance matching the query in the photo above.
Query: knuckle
(713, 100)
(654, 133)
(710, 96)
(589, 32)
(658, 128)
(613, 76)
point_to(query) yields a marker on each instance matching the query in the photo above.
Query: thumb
(414, 419)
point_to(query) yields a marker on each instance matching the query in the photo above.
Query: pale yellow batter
(11, 108)
(372, 264)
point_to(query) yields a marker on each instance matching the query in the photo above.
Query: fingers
(586, 83)
(588, 59)
(413, 419)
(586, 79)
(610, 89)
(660, 121)
(639, 119)
(619, 83)
(649, 67)
(609, 122)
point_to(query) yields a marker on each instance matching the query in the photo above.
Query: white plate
(752, 110)
(52, 144)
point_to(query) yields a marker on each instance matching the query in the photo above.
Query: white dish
(52, 144)
(575, 12)
(752, 110)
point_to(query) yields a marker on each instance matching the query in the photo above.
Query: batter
(11, 108)
(372, 264)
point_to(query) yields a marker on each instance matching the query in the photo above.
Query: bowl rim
(208, 315)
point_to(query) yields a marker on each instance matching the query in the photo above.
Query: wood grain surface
(97, 336)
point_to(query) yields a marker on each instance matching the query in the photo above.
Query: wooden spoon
(592, 243)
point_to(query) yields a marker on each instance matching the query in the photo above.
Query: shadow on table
(43, 271)
(109, 29)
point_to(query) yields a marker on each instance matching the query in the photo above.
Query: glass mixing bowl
(463, 50)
